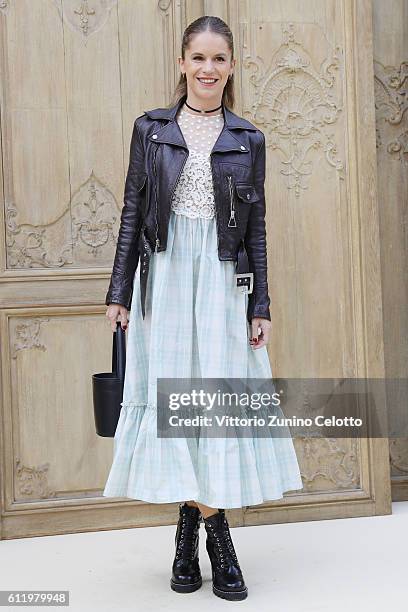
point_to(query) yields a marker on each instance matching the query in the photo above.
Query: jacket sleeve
(255, 241)
(127, 248)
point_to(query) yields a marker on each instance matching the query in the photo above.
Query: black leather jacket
(158, 152)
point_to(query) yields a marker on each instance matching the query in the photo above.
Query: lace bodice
(194, 195)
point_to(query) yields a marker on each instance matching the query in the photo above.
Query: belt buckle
(244, 282)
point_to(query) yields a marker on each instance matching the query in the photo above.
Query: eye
(199, 57)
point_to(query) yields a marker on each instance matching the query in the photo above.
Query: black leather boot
(228, 581)
(186, 574)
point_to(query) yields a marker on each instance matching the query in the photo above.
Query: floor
(336, 565)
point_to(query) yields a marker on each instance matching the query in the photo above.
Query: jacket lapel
(170, 133)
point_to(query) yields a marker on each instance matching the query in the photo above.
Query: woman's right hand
(117, 312)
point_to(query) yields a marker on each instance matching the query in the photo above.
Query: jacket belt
(242, 266)
(243, 277)
(145, 251)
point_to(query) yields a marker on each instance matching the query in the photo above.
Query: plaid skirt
(195, 326)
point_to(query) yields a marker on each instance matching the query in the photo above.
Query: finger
(254, 327)
(123, 320)
(259, 344)
(114, 318)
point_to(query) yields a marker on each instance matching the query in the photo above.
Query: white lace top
(194, 194)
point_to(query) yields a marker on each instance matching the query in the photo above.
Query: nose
(209, 65)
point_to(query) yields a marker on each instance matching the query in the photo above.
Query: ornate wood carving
(164, 4)
(26, 335)
(332, 459)
(399, 456)
(391, 103)
(85, 16)
(91, 216)
(295, 107)
(32, 482)
(37, 246)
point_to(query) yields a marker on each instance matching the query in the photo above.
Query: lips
(207, 81)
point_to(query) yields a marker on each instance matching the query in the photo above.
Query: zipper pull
(232, 222)
(157, 244)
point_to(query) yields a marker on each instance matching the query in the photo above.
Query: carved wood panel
(68, 102)
(390, 29)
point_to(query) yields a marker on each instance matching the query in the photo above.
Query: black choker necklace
(203, 111)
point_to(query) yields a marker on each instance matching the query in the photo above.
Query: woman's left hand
(259, 341)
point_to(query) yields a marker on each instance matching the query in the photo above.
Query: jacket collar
(171, 133)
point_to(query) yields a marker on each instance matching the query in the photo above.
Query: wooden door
(74, 75)
(390, 34)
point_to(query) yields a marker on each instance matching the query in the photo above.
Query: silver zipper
(232, 221)
(171, 195)
(178, 178)
(155, 198)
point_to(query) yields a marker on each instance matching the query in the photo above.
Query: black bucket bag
(107, 387)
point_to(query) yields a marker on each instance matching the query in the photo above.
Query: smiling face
(207, 66)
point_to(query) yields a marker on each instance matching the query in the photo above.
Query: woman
(194, 199)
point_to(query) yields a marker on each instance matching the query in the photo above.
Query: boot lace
(186, 543)
(224, 547)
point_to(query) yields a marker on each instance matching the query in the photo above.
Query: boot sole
(231, 595)
(186, 588)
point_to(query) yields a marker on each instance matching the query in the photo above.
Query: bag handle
(119, 352)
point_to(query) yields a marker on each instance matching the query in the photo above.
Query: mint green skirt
(195, 326)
